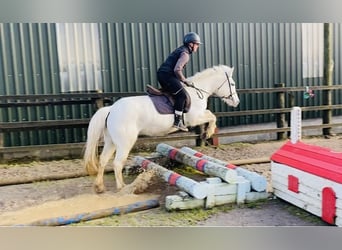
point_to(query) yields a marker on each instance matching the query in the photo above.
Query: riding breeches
(172, 85)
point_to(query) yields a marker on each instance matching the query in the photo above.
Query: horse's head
(226, 88)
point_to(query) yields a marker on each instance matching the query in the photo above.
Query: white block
(222, 188)
(213, 180)
(338, 221)
(243, 186)
(176, 202)
(254, 196)
(210, 201)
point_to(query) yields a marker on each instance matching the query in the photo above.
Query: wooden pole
(66, 220)
(99, 102)
(280, 118)
(2, 143)
(327, 75)
(200, 130)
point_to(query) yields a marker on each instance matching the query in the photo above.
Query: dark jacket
(175, 62)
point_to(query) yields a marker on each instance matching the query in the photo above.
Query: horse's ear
(231, 71)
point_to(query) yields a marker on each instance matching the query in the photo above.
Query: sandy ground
(53, 194)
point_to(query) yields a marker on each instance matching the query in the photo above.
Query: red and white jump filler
(308, 176)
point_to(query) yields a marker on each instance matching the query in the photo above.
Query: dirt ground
(45, 190)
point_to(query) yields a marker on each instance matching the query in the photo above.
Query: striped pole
(203, 165)
(258, 182)
(194, 188)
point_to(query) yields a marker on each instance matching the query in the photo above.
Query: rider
(170, 75)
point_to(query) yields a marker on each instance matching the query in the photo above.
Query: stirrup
(180, 126)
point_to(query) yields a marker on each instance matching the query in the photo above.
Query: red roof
(312, 159)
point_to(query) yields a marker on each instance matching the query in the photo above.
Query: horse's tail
(95, 132)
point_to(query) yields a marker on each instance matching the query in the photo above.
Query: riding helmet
(191, 37)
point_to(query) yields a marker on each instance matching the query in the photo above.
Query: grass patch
(302, 214)
(158, 217)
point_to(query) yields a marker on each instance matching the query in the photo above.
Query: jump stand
(308, 176)
(224, 185)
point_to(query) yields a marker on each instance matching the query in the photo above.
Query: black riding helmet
(191, 37)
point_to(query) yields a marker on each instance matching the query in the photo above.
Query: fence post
(280, 117)
(2, 143)
(99, 102)
(327, 76)
(199, 130)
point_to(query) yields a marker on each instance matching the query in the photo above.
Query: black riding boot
(179, 123)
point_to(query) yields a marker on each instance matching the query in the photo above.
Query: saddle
(164, 102)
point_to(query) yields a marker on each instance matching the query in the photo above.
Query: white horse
(122, 123)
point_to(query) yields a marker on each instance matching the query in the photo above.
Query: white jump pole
(258, 182)
(296, 124)
(203, 165)
(194, 188)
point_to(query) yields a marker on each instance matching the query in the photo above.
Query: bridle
(230, 96)
(200, 91)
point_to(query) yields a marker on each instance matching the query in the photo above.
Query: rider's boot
(178, 123)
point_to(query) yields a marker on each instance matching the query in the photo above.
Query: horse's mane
(209, 71)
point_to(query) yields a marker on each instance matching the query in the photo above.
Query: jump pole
(203, 165)
(66, 220)
(194, 188)
(258, 182)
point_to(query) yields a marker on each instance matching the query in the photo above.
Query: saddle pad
(162, 104)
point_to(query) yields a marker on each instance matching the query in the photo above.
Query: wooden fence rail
(98, 100)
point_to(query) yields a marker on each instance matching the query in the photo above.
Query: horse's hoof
(99, 189)
(119, 187)
(173, 130)
(205, 136)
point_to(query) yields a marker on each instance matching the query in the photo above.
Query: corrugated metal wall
(120, 57)
(337, 77)
(29, 62)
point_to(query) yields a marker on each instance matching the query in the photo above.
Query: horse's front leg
(210, 118)
(212, 124)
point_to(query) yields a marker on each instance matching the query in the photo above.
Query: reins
(200, 91)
